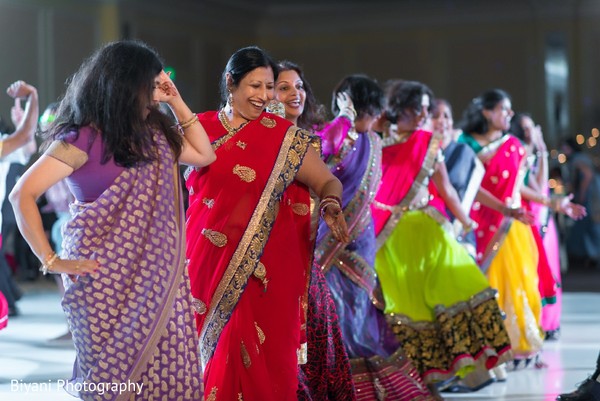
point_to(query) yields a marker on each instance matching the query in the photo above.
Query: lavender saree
(132, 325)
(380, 368)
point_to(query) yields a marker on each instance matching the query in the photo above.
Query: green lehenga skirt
(439, 303)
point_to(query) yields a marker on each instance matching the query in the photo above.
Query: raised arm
(197, 150)
(25, 130)
(315, 174)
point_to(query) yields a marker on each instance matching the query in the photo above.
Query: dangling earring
(230, 98)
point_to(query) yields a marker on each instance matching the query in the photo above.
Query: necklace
(225, 121)
(230, 130)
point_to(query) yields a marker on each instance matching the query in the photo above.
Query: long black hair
(111, 92)
(313, 116)
(515, 125)
(473, 121)
(241, 63)
(365, 92)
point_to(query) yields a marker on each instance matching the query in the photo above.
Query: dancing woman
(127, 294)
(248, 237)
(440, 305)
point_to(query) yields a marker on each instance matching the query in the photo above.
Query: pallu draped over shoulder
(439, 304)
(380, 368)
(249, 251)
(132, 325)
(506, 248)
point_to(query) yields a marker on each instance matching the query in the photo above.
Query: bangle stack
(186, 124)
(47, 265)
(328, 201)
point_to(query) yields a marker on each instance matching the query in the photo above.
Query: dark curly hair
(110, 92)
(365, 92)
(404, 98)
(473, 121)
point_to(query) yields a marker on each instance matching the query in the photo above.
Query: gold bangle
(47, 265)
(189, 122)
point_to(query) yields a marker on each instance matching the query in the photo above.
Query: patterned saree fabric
(133, 324)
(249, 258)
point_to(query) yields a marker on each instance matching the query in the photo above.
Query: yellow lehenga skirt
(438, 301)
(513, 272)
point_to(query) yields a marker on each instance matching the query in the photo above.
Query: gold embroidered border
(439, 218)
(69, 154)
(253, 241)
(359, 208)
(419, 185)
(488, 151)
(494, 246)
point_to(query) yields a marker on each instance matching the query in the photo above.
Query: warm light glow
(591, 142)
(580, 139)
(552, 183)
(595, 132)
(554, 153)
(562, 158)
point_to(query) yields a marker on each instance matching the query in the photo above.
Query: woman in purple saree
(127, 296)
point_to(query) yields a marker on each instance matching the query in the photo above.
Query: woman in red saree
(248, 238)
(506, 247)
(439, 304)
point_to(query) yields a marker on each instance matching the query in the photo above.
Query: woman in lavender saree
(127, 296)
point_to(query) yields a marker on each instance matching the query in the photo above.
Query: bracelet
(328, 201)
(186, 124)
(542, 153)
(47, 265)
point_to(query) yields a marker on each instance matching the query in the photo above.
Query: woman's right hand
(334, 218)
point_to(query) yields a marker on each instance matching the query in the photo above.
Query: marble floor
(30, 368)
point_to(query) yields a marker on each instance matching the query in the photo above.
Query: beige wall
(458, 48)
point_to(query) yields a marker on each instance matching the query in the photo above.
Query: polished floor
(30, 368)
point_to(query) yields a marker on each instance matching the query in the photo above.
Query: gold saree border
(419, 186)
(253, 241)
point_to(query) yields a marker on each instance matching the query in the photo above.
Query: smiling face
(251, 96)
(290, 91)
(528, 128)
(499, 117)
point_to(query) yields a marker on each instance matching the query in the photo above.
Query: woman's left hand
(167, 91)
(334, 218)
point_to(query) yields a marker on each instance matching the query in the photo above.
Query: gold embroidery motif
(302, 354)
(215, 237)
(245, 356)
(208, 202)
(260, 272)
(268, 122)
(213, 395)
(494, 179)
(241, 145)
(198, 306)
(301, 209)
(245, 173)
(261, 334)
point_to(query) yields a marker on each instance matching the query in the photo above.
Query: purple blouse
(91, 179)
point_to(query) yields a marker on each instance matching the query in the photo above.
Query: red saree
(248, 243)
